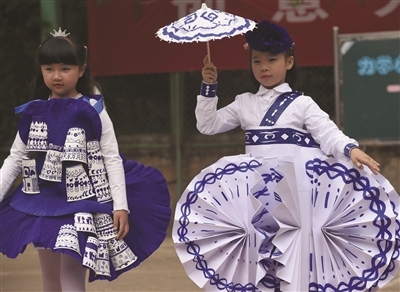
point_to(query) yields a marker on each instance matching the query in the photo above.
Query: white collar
(284, 87)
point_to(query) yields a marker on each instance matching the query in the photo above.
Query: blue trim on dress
(19, 109)
(348, 148)
(208, 89)
(280, 136)
(99, 105)
(278, 107)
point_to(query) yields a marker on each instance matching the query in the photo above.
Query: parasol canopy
(204, 25)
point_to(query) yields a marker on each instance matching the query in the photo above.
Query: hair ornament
(269, 37)
(59, 33)
(246, 46)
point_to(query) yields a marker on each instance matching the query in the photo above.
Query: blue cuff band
(348, 148)
(208, 90)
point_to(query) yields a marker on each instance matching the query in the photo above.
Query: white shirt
(109, 148)
(248, 110)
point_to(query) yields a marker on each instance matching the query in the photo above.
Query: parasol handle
(208, 52)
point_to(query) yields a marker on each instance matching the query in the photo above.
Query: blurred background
(150, 86)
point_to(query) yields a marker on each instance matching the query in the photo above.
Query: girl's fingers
(210, 68)
(125, 232)
(372, 165)
(121, 224)
(116, 223)
(205, 60)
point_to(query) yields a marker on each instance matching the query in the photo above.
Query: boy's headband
(269, 37)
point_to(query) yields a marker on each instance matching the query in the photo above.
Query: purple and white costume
(73, 181)
(293, 213)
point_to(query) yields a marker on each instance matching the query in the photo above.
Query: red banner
(122, 33)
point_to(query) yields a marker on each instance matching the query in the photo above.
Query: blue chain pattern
(382, 222)
(313, 167)
(192, 247)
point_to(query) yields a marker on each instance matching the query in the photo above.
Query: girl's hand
(359, 158)
(209, 71)
(121, 223)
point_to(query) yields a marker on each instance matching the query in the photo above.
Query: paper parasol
(215, 228)
(204, 25)
(352, 233)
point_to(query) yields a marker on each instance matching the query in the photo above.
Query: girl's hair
(292, 75)
(67, 50)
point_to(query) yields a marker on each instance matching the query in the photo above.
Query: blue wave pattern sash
(280, 136)
(278, 107)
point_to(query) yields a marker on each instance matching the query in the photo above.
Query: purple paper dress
(64, 202)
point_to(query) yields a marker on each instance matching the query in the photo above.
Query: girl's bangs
(57, 50)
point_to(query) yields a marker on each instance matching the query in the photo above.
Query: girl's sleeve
(325, 132)
(113, 163)
(12, 166)
(211, 121)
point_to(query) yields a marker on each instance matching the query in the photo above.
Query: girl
(80, 203)
(288, 141)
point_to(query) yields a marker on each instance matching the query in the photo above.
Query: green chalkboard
(369, 69)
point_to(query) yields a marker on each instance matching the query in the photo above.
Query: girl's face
(269, 69)
(61, 78)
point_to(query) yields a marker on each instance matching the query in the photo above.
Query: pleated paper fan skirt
(244, 224)
(353, 227)
(220, 227)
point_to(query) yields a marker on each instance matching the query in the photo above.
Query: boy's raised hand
(359, 157)
(209, 71)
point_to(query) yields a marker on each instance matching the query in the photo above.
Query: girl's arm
(12, 166)
(331, 139)
(209, 120)
(116, 175)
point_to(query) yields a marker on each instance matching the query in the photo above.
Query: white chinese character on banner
(186, 7)
(306, 11)
(388, 8)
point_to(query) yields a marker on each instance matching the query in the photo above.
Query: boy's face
(270, 69)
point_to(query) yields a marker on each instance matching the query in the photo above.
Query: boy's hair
(67, 50)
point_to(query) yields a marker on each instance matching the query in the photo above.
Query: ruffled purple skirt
(85, 235)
